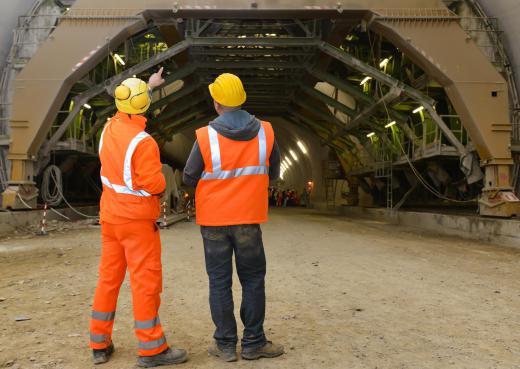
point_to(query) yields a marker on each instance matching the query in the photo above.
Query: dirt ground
(341, 294)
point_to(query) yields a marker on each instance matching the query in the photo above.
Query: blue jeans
(219, 245)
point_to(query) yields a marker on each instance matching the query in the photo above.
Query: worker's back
(122, 147)
(233, 186)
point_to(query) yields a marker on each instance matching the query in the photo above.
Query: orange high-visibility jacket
(233, 186)
(130, 171)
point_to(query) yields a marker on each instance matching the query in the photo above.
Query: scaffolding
(32, 30)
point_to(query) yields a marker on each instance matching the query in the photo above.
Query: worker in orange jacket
(132, 185)
(231, 164)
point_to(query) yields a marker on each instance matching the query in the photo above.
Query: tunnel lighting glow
(384, 63)
(288, 161)
(418, 110)
(293, 155)
(242, 36)
(365, 80)
(302, 147)
(371, 134)
(87, 106)
(391, 124)
(119, 59)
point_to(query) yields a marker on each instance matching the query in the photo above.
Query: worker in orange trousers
(132, 186)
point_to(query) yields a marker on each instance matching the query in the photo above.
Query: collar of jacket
(131, 118)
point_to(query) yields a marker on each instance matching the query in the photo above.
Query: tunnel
(391, 238)
(370, 103)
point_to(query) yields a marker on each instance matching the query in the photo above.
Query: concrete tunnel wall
(308, 167)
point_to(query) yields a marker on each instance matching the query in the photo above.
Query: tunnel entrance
(372, 95)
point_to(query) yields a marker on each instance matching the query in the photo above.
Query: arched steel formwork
(425, 30)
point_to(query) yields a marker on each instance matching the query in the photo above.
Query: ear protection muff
(122, 92)
(140, 101)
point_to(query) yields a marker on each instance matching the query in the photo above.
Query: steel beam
(195, 122)
(326, 116)
(328, 100)
(184, 91)
(244, 52)
(249, 64)
(182, 106)
(109, 85)
(184, 119)
(253, 41)
(180, 73)
(370, 71)
(349, 88)
(368, 112)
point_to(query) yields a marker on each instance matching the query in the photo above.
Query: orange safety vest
(119, 200)
(234, 184)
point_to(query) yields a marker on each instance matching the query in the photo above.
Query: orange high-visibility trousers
(136, 245)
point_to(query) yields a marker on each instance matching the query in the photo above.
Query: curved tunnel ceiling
(280, 60)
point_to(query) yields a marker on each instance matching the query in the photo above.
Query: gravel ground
(342, 294)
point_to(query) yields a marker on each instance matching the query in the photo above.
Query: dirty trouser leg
(112, 269)
(142, 244)
(251, 269)
(218, 251)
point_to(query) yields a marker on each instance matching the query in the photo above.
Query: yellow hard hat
(228, 90)
(132, 96)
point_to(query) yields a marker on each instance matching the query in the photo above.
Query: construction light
(384, 63)
(87, 106)
(118, 58)
(293, 155)
(242, 36)
(288, 161)
(371, 134)
(391, 124)
(302, 147)
(418, 110)
(365, 80)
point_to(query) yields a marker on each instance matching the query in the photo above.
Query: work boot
(268, 350)
(102, 356)
(167, 357)
(227, 354)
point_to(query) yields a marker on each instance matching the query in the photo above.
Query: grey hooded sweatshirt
(236, 125)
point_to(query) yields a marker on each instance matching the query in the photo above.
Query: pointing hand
(156, 79)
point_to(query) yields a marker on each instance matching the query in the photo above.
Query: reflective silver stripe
(215, 149)
(123, 189)
(145, 324)
(98, 338)
(262, 143)
(101, 138)
(225, 174)
(127, 168)
(150, 345)
(103, 316)
(246, 171)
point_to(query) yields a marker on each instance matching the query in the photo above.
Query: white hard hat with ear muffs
(132, 96)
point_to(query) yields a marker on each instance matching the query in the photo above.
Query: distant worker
(132, 186)
(231, 163)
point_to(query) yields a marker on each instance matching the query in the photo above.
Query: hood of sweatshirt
(237, 125)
